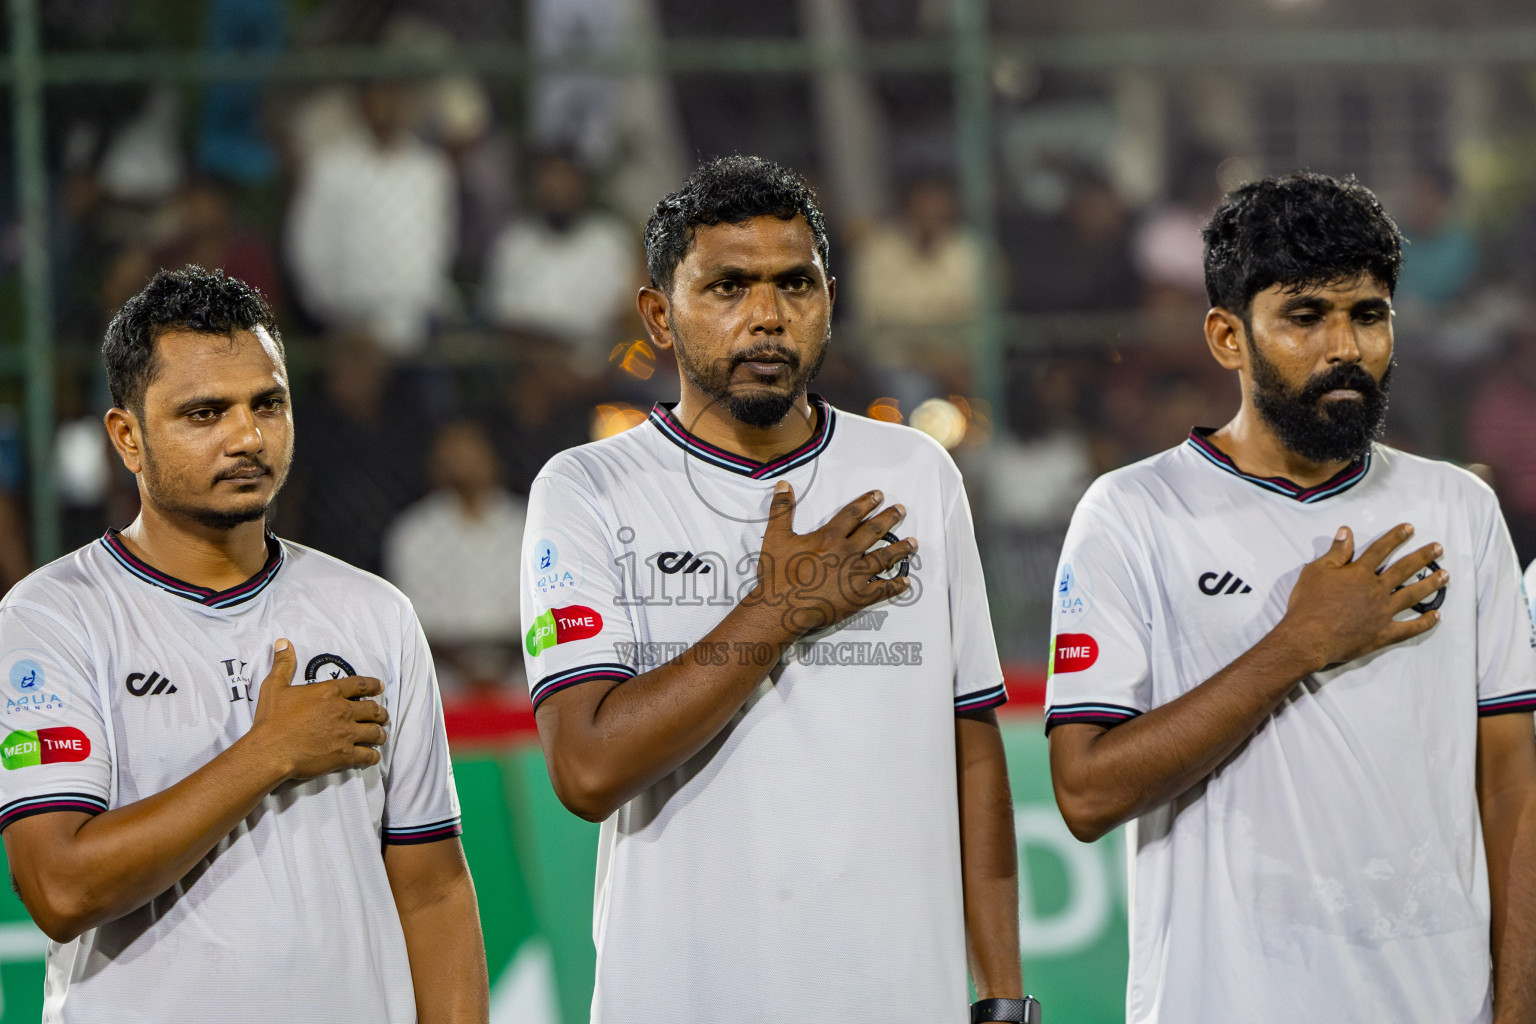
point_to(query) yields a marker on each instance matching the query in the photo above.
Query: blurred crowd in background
(454, 259)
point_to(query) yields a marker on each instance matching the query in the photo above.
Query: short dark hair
(1301, 230)
(727, 190)
(191, 298)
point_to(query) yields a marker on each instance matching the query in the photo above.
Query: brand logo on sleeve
(559, 625)
(22, 749)
(32, 692)
(1074, 594)
(1073, 652)
(548, 572)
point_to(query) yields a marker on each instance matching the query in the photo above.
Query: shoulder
(593, 467)
(1139, 482)
(862, 437)
(1399, 469)
(309, 568)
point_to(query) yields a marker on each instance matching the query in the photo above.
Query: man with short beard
(1319, 734)
(780, 710)
(203, 834)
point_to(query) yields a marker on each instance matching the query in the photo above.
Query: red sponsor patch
(576, 622)
(1073, 652)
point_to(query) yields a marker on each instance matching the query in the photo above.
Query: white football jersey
(1529, 582)
(1332, 869)
(804, 866)
(120, 681)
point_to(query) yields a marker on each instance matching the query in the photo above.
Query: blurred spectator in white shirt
(914, 285)
(456, 553)
(566, 272)
(371, 230)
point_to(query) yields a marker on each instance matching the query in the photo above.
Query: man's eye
(796, 284)
(1306, 319)
(272, 404)
(200, 415)
(726, 287)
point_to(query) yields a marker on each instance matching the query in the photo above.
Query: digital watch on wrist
(1012, 1011)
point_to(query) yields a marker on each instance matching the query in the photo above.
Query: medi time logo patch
(22, 749)
(558, 625)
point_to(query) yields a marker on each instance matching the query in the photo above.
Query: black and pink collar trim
(191, 591)
(662, 418)
(1343, 480)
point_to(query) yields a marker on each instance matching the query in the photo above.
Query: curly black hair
(727, 190)
(1301, 230)
(200, 300)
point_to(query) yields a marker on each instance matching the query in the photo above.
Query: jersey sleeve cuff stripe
(411, 834)
(1089, 713)
(1507, 704)
(27, 806)
(981, 700)
(583, 674)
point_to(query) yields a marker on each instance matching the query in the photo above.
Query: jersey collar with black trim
(664, 421)
(239, 594)
(1343, 480)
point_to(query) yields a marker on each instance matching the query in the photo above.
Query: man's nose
(1343, 345)
(767, 310)
(244, 434)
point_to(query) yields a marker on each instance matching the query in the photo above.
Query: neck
(202, 555)
(709, 420)
(473, 501)
(1251, 443)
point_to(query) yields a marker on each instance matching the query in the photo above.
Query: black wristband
(1012, 1011)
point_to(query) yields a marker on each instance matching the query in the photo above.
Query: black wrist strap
(1013, 1011)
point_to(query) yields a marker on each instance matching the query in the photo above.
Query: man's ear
(655, 309)
(831, 292)
(1225, 335)
(127, 437)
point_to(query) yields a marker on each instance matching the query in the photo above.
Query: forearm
(441, 922)
(1509, 832)
(119, 860)
(1119, 773)
(601, 755)
(989, 859)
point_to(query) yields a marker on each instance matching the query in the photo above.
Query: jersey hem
(981, 700)
(412, 835)
(1508, 704)
(582, 674)
(49, 803)
(1092, 713)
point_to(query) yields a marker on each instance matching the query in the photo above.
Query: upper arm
(35, 844)
(425, 873)
(421, 805)
(1506, 758)
(1101, 636)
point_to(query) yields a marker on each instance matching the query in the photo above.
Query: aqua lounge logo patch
(1074, 594)
(549, 573)
(31, 694)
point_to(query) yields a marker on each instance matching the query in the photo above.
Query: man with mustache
(1297, 663)
(779, 709)
(202, 843)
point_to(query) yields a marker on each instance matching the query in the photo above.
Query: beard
(163, 489)
(1338, 431)
(756, 405)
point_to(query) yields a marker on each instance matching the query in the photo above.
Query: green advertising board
(534, 865)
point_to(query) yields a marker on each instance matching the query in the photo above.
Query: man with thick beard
(1297, 662)
(780, 710)
(224, 783)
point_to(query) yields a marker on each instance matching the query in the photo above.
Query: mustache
(783, 355)
(241, 467)
(1352, 376)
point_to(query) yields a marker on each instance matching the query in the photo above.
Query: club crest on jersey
(559, 625)
(1434, 600)
(327, 666)
(31, 693)
(547, 570)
